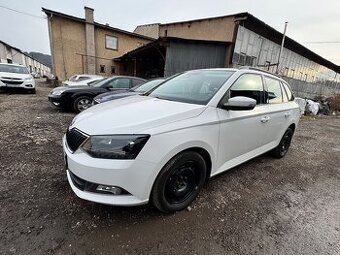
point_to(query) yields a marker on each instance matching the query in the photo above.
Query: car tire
(179, 182)
(281, 150)
(82, 103)
(32, 91)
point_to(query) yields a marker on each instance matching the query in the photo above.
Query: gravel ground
(265, 206)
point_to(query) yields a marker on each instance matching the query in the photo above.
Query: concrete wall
(217, 29)
(311, 90)
(3, 53)
(150, 30)
(17, 57)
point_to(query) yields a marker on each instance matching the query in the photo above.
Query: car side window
(119, 83)
(136, 82)
(288, 91)
(274, 92)
(248, 85)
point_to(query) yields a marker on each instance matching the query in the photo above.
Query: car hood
(65, 88)
(133, 115)
(14, 75)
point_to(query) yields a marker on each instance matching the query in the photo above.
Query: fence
(311, 90)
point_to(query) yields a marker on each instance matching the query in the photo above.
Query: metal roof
(162, 40)
(51, 12)
(258, 26)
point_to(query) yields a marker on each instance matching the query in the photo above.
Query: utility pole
(282, 44)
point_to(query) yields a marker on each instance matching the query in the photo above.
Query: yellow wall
(126, 43)
(215, 29)
(68, 39)
(68, 42)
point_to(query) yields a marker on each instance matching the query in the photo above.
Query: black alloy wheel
(82, 103)
(179, 182)
(282, 149)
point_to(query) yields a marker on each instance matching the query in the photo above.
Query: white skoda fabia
(163, 147)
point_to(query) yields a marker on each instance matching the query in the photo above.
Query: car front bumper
(30, 84)
(56, 100)
(134, 176)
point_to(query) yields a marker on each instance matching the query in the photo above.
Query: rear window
(13, 69)
(83, 78)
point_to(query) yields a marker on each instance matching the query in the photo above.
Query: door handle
(287, 114)
(265, 119)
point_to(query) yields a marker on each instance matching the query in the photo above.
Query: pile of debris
(320, 105)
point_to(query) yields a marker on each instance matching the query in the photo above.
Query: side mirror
(240, 104)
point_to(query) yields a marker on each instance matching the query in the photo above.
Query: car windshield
(196, 87)
(13, 69)
(147, 86)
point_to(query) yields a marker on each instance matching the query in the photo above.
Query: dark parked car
(137, 90)
(79, 98)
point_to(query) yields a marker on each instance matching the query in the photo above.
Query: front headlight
(29, 79)
(57, 92)
(115, 146)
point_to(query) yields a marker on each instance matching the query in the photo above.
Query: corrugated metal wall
(188, 56)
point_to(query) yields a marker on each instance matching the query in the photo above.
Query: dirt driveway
(265, 206)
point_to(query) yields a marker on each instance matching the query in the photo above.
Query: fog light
(111, 189)
(56, 103)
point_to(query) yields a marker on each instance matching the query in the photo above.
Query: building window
(113, 70)
(111, 42)
(166, 33)
(102, 68)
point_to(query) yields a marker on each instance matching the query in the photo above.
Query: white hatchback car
(163, 147)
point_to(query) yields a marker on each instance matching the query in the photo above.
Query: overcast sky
(309, 20)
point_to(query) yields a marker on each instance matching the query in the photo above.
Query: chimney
(90, 42)
(89, 14)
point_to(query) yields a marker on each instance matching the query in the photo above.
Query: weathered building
(84, 46)
(170, 55)
(251, 42)
(10, 54)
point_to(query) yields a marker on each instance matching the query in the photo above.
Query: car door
(278, 110)
(242, 132)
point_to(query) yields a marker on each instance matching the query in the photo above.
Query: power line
(328, 42)
(21, 12)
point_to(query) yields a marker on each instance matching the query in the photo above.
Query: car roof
(244, 69)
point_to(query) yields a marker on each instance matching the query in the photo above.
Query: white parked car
(82, 79)
(163, 147)
(16, 76)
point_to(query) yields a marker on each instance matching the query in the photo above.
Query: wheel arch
(206, 156)
(199, 149)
